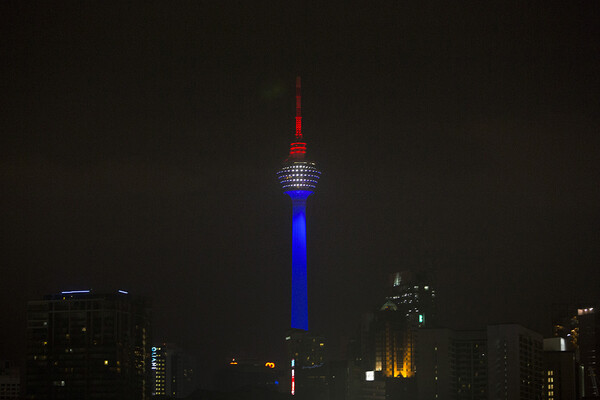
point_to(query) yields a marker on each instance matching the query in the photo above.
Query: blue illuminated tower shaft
(299, 283)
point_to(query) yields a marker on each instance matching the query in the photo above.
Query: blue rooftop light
(75, 291)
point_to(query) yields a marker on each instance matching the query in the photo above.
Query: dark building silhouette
(308, 371)
(502, 362)
(249, 376)
(560, 371)
(10, 381)
(514, 363)
(579, 325)
(85, 345)
(452, 364)
(589, 349)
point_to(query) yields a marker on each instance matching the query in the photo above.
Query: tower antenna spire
(298, 147)
(298, 110)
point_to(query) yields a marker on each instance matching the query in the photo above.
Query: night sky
(139, 146)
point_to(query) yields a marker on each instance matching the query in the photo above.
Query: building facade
(515, 366)
(10, 381)
(85, 345)
(503, 362)
(308, 370)
(173, 371)
(452, 365)
(560, 371)
(579, 325)
(391, 334)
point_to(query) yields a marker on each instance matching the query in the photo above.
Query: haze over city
(140, 145)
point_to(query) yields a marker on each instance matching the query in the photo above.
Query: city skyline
(139, 147)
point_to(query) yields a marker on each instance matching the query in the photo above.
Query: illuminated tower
(298, 178)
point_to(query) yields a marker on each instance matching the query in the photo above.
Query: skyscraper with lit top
(298, 177)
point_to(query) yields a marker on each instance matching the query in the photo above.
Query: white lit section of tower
(299, 177)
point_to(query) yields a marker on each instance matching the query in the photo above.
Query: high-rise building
(452, 364)
(10, 382)
(515, 367)
(415, 296)
(159, 371)
(298, 178)
(560, 370)
(392, 332)
(579, 325)
(86, 345)
(173, 371)
(589, 349)
(503, 362)
(308, 371)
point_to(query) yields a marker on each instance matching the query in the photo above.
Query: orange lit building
(409, 306)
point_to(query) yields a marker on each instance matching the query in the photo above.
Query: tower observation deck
(299, 177)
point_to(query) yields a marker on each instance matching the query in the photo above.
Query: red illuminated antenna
(298, 148)
(298, 110)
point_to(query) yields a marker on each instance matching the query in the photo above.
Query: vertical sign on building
(293, 391)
